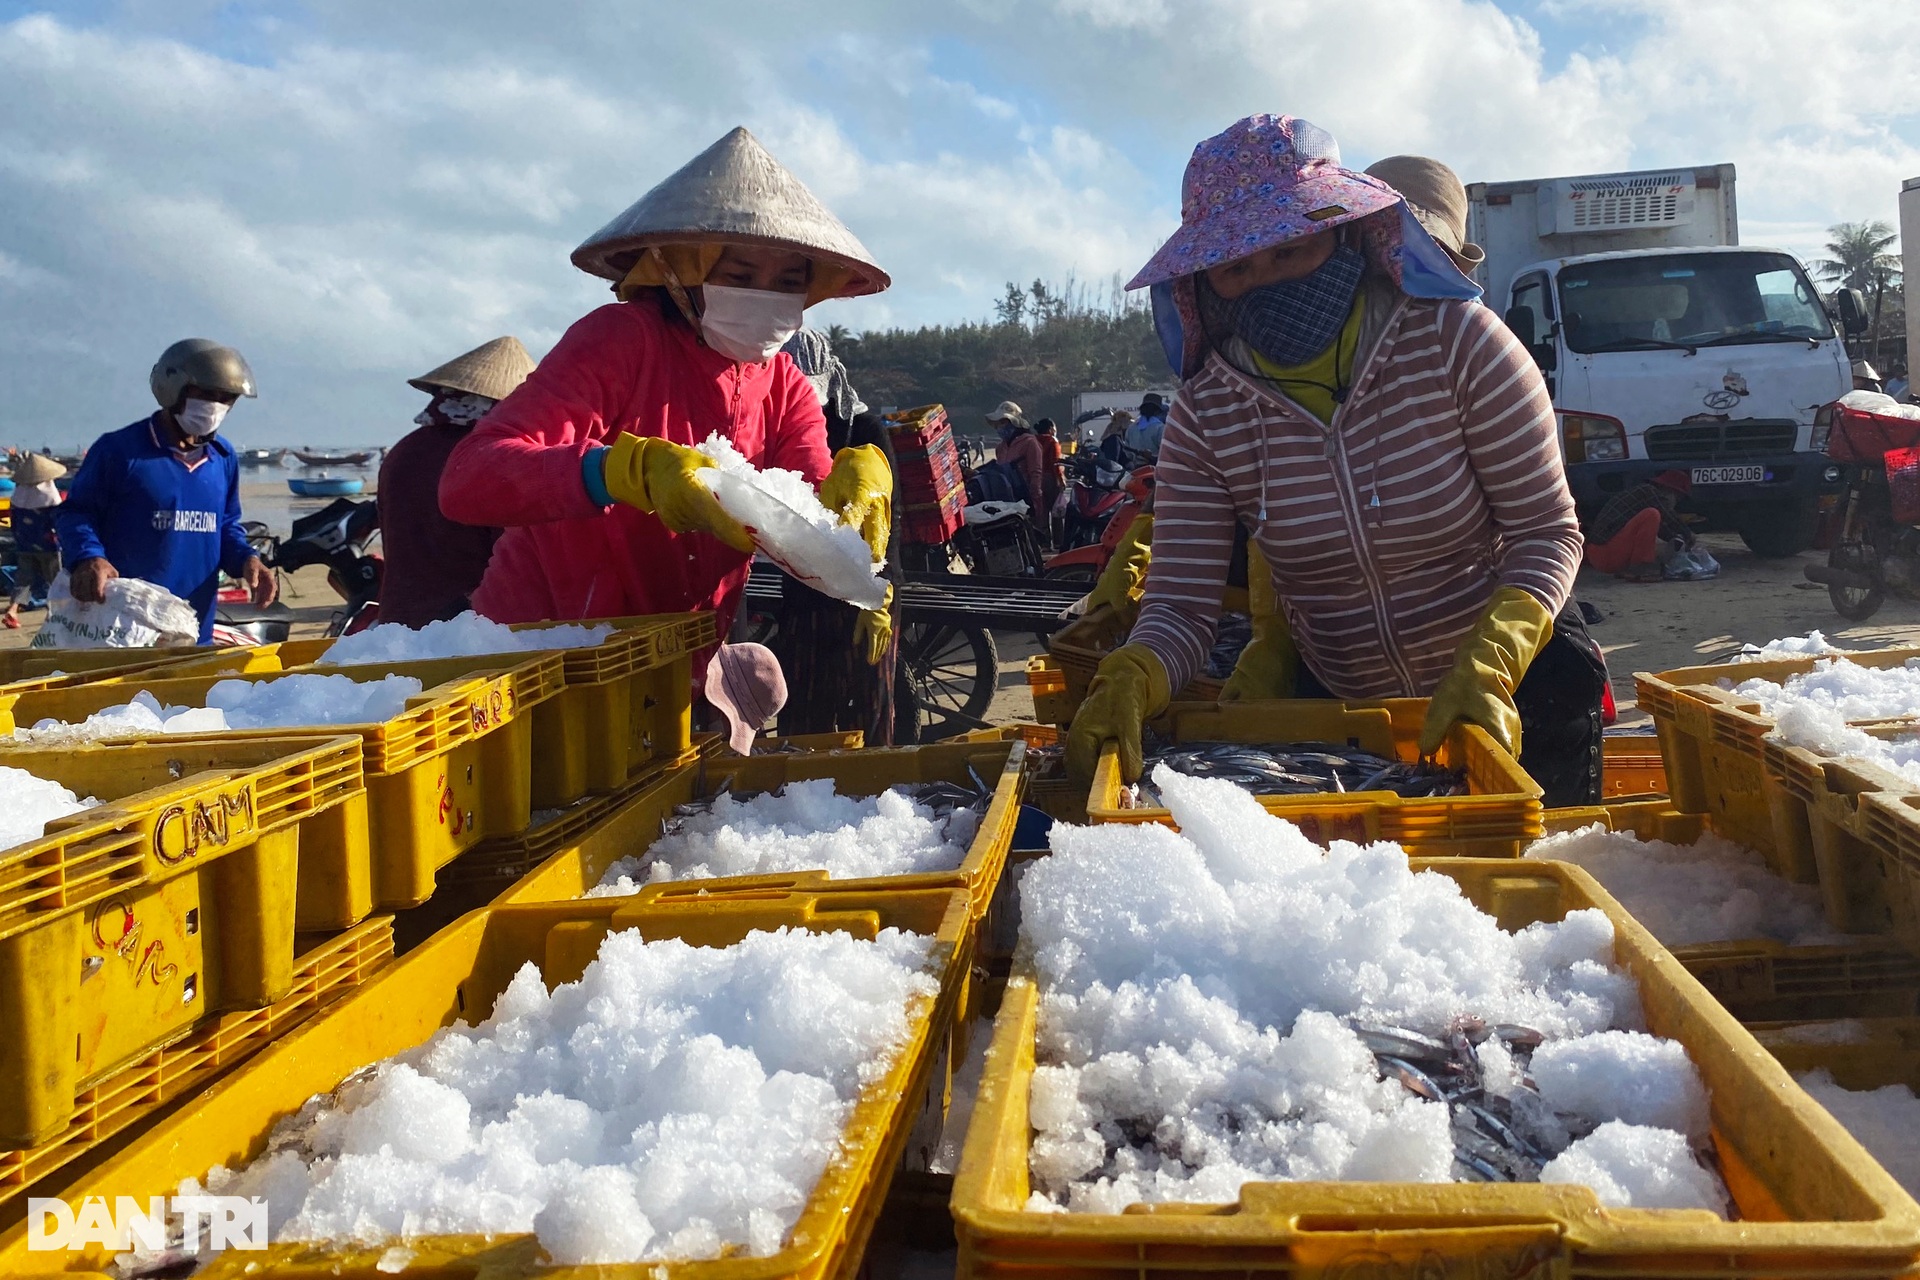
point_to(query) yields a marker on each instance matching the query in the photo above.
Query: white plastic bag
(136, 615)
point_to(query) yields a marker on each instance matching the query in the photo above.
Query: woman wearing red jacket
(589, 465)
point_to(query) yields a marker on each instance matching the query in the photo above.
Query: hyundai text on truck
(1667, 345)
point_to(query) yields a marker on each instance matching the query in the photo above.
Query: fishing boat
(325, 486)
(261, 457)
(359, 458)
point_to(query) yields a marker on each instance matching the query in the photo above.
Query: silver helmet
(199, 362)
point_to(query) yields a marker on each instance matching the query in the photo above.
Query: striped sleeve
(1507, 420)
(1192, 544)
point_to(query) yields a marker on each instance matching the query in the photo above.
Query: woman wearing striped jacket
(1388, 444)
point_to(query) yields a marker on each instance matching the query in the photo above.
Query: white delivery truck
(1668, 346)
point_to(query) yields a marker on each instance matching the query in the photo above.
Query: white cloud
(375, 186)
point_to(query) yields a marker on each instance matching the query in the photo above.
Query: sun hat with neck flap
(1438, 199)
(733, 193)
(1261, 182)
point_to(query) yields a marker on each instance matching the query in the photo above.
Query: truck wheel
(1778, 538)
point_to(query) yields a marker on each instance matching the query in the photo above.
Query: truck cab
(1720, 362)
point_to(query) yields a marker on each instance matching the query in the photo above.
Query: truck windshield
(1688, 300)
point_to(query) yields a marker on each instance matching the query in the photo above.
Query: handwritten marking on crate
(181, 831)
(490, 713)
(115, 914)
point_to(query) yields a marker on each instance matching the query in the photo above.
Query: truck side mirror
(1852, 305)
(1521, 320)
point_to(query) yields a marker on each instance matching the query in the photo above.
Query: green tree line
(1044, 343)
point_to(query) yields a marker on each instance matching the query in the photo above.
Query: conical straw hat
(37, 468)
(492, 370)
(733, 191)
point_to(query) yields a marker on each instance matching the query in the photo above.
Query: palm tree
(1862, 258)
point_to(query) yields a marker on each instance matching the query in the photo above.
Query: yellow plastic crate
(1047, 682)
(1811, 1201)
(1759, 979)
(626, 705)
(630, 830)
(458, 975)
(24, 670)
(1631, 766)
(1500, 817)
(453, 769)
(324, 972)
(1079, 647)
(715, 747)
(128, 924)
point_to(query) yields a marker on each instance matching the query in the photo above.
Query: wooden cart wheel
(953, 672)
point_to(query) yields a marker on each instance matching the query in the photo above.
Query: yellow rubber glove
(1125, 576)
(656, 476)
(860, 488)
(1487, 668)
(873, 631)
(1269, 664)
(1130, 686)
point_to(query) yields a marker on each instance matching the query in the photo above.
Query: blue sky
(353, 190)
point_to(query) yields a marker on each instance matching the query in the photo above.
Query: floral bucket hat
(1266, 180)
(1262, 182)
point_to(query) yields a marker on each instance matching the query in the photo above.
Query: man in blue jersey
(160, 500)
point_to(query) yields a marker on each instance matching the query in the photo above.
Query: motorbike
(336, 536)
(1876, 545)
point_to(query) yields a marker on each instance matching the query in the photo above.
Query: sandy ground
(1649, 626)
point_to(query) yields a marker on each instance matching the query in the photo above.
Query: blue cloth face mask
(1293, 321)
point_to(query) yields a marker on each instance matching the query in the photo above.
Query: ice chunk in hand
(1217, 1005)
(676, 1102)
(464, 636)
(789, 525)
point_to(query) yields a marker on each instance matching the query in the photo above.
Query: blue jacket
(156, 517)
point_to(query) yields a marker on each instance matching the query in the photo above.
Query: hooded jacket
(624, 367)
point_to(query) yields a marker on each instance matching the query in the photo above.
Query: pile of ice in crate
(1710, 891)
(1813, 643)
(1886, 1121)
(286, 702)
(676, 1102)
(29, 803)
(1816, 709)
(1230, 1003)
(807, 826)
(465, 636)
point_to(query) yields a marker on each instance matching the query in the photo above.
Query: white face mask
(200, 418)
(749, 325)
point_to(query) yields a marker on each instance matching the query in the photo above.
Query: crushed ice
(284, 702)
(1205, 992)
(467, 635)
(1710, 891)
(805, 826)
(1818, 710)
(676, 1102)
(1886, 1121)
(29, 803)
